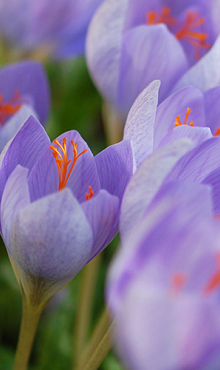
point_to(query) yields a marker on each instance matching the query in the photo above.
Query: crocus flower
(24, 91)
(132, 42)
(59, 205)
(163, 287)
(58, 27)
(186, 113)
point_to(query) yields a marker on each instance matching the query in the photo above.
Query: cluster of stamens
(63, 163)
(178, 122)
(186, 30)
(10, 107)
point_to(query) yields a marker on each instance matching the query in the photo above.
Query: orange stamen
(217, 132)
(178, 122)
(62, 161)
(178, 281)
(153, 17)
(195, 38)
(90, 194)
(9, 108)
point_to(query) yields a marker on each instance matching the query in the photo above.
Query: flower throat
(185, 31)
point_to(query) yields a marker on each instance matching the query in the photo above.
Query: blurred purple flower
(60, 205)
(24, 91)
(133, 42)
(58, 26)
(163, 287)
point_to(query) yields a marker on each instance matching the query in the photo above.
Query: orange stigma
(178, 122)
(90, 194)
(9, 108)
(195, 38)
(217, 133)
(62, 161)
(153, 17)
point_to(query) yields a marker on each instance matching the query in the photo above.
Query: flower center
(9, 108)
(195, 38)
(178, 122)
(64, 170)
(186, 31)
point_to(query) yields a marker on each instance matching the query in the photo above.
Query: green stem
(99, 332)
(83, 316)
(101, 351)
(113, 124)
(30, 318)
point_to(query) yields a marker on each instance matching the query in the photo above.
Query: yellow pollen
(90, 194)
(178, 122)
(153, 17)
(9, 108)
(195, 38)
(62, 161)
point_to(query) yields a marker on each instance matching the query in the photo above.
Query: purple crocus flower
(187, 113)
(58, 27)
(133, 42)
(163, 287)
(59, 205)
(24, 91)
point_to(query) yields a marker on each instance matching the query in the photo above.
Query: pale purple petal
(24, 149)
(103, 46)
(147, 55)
(156, 331)
(205, 74)
(212, 108)
(51, 241)
(15, 197)
(115, 167)
(139, 125)
(197, 134)
(12, 125)
(214, 180)
(176, 105)
(30, 80)
(198, 163)
(102, 212)
(146, 182)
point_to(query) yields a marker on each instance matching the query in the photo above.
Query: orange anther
(178, 122)
(9, 108)
(195, 38)
(62, 161)
(153, 17)
(90, 194)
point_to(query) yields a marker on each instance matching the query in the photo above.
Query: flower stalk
(101, 351)
(30, 317)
